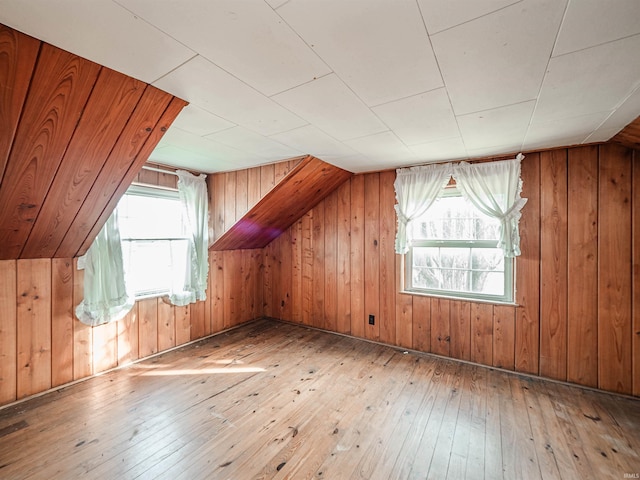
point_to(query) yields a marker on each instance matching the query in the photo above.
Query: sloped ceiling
(363, 84)
(73, 135)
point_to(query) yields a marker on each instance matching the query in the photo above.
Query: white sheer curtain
(193, 195)
(105, 294)
(416, 190)
(494, 188)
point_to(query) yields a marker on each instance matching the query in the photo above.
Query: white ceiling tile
(356, 163)
(247, 39)
(276, 3)
(491, 127)
(313, 141)
(421, 118)
(564, 131)
(215, 153)
(439, 15)
(198, 121)
(183, 157)
(380, 49)
(254, 143)
(382, 149)
(591, 80)
(440, 150)
(620, 118)
(592, 22)
(498, 59)
(329, 104)
(601, 135)
(206, 85)
(99, 31)
(505, 149)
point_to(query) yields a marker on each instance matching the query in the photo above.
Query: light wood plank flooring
(274, 400)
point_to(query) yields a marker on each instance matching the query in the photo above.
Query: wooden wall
(43, 346)
(577, 317)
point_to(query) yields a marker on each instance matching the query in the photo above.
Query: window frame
(507, 298)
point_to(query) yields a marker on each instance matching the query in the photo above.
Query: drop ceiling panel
(591, 80)
(568, 131)
(369, 48)
(440, 150)
(421, 118)
(208, 86)
(102, 32)
(498, 59)
(254, 143)
(188, 159)
(379, 148)
(588, 23)
(218, 156)
(200, 122)
(331, 106)
(312, 140)
(247, 39)
(439, 15)
(489, 128)
(618, 119)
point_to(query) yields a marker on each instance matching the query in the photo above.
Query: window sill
(460, 299)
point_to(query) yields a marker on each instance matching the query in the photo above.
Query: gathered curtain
(417, 188)
(494, 188)
(192, 285)
(106, 298)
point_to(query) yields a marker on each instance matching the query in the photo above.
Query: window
(154, 240)
(454, 253)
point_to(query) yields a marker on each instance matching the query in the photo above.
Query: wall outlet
(372, 319)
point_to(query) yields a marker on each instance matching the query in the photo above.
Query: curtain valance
(494, 188)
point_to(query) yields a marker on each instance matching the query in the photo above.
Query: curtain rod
(159, 170)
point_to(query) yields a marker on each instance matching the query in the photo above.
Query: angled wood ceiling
(73, 135)
(297, 193)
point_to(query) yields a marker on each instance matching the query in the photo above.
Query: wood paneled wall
(577, 317)
(43, 346)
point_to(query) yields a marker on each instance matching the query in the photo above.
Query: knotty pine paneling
(43, 345)
(18, 54)
(635, 281)
(162, 125)
(582, 268)
(59, 89)
(8, 330)
(129, 144)
(527, 345)
(72, 136)
(614, 259)
(553, 264)
(105, 115)
(573, 319)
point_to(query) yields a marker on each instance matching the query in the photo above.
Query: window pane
(150, 265)
(454, 218)
(464, 269)
(150, 217)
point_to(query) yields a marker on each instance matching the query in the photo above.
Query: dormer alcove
(308, 182)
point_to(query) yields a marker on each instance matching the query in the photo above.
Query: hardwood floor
(274, 400)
